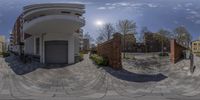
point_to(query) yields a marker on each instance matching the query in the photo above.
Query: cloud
(123, 4)
(152, 5)
(112, 7)
(136, 4)
(108, 4)
(101, 8)
(188, 4)
(193, 12)
(178, 6)
(188, 9)
(197, 21)
(79, 2)
(193, 16)
(127, 5)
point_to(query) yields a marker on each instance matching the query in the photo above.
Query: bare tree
(126, 26)
(143, 31)
(163, 37)
(182, 35)
(87, 36)
(99, 39)
(106, 32)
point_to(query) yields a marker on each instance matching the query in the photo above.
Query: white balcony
(53, 18)
(54, 24)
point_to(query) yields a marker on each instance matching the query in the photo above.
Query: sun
(99, 23)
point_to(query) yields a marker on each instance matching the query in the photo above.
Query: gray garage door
(56, 52)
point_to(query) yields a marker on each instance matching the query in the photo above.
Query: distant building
(16, 36)
(196, 46)
(153, 44)
(2, 44)
(86, 44)
(140, 47)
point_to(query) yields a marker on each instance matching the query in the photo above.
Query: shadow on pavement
(21, 68)
(135, 77)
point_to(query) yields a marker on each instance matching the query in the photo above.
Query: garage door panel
(56, 52)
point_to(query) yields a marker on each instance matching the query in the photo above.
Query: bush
(81, 54)
(5, 54)
(163, 54)
(99, 60)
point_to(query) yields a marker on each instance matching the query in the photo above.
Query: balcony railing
(27, 21)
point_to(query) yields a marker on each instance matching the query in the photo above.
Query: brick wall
(176, 52)
(112, 51)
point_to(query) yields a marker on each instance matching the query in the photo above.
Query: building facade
(196, 46)
(2, 44)
(49, 32)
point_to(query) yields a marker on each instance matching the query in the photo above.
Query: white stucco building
(51, 31)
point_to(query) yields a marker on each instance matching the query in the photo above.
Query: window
(195, 43)
(37, 43)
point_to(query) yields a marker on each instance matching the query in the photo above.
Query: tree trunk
(124, 55)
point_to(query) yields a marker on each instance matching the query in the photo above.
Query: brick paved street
(84, 81)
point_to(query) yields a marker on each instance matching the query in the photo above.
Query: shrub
(81, 54)
(5, 54)
(99, 60)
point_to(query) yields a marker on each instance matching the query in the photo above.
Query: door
(56, 52)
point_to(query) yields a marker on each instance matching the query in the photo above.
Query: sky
(154, 14)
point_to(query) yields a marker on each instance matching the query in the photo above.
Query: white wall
(76, 43)
(29, 45)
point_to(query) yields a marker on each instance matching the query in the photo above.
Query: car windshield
(99, 49)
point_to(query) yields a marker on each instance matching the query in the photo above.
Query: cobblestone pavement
(84, 81)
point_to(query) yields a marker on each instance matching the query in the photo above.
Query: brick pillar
(172, 51)
(116, 54)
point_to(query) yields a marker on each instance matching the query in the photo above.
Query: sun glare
(99, 23)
